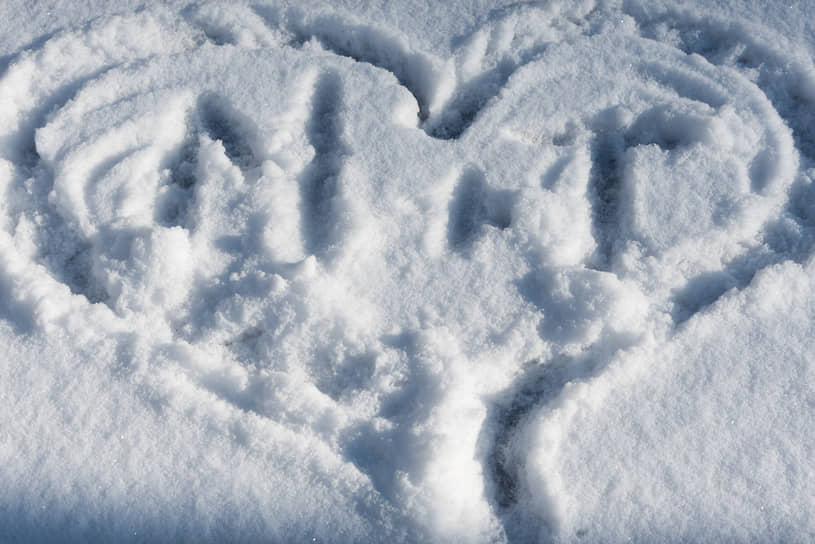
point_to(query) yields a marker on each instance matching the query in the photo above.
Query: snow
(470, 272)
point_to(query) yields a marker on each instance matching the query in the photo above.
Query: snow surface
(392, 272)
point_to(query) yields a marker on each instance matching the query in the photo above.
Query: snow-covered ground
(407, 271)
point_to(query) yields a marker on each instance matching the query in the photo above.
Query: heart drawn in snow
(310, 218)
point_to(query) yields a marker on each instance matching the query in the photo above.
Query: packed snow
(407, 272)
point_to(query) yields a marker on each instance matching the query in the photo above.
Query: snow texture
(461, 272)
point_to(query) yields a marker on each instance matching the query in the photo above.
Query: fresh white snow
(407, 271)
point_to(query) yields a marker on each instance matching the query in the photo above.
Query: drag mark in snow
(415, 71)
(215, 117)
(469, 98)
(461, 110)
(422, 75)
(790, 86)
(173, 207)
(614, 136)
(474, 204)
(533, 389)
(320, 181)
(539, 385)
(604, 184)
(704, 290)
(31, 91)
(224, 123)
(216, 35)
(527, 23)
(233, 25)
(695, 99)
